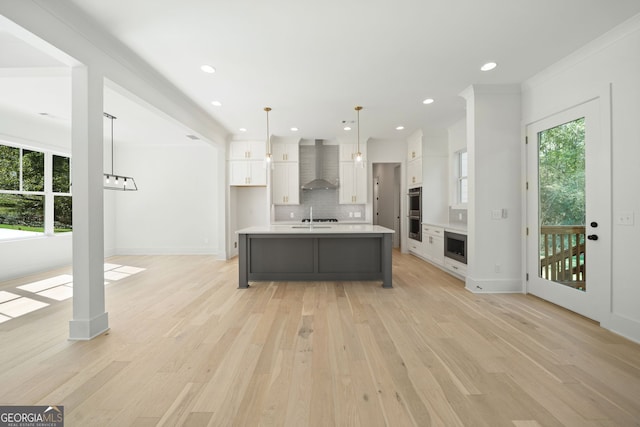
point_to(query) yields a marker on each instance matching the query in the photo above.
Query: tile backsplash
(324, 202)
(457, 216)
(325, 205)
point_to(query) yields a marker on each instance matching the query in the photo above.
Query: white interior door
(568, 209)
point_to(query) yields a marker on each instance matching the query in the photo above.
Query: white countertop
(450, 226)
(322, 228)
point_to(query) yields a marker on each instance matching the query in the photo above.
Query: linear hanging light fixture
(113, 181)
(268, 156)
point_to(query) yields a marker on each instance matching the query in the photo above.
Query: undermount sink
(310, 226)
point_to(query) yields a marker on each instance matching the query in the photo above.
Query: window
(9, 168)
(461, 177)
(26, 193)
(21, 212)
(61, 186)
(32, 170)
(61, 174)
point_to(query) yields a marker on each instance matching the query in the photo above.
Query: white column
(89, 316)
(494, 222)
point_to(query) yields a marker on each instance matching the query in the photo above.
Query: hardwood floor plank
(186, 347)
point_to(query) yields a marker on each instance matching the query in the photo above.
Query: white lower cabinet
(433, 241)
(455, 267)
(432, 249)
(416, 247)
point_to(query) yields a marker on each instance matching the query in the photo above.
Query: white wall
(27, 256)
(613, 59)
(494, 246)
(175, 210)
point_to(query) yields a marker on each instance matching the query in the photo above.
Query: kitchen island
(315, 252)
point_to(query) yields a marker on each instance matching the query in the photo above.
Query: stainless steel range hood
(319, 182)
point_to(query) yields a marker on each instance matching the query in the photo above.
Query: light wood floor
(186, 347)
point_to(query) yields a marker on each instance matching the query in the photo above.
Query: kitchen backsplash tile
(325, 202)
(325, 205)
(457, 216)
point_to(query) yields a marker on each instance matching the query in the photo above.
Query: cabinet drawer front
(433, 230)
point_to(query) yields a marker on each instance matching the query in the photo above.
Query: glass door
(568, 233)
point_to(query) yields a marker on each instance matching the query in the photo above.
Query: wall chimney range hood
(319, 182)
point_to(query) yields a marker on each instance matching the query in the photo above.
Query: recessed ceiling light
(488, 66)
(216, 103)
(399, 127)
(294, 129)
(428, 101)
(208, 69)
(347, 128)
(243, 129)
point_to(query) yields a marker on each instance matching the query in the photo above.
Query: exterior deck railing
(563, 254)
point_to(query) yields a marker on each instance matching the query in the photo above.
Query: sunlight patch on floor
(56, 288)
(59, 293)
(7, 296)
(20, 306)
(41, 285)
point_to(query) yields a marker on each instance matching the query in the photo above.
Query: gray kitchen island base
(308, 256)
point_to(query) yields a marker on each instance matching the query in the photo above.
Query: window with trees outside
(461, 177)
(35, 192)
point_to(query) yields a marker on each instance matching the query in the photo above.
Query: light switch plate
(624, 218)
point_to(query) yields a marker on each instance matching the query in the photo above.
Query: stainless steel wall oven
(415, 213)
(455, 246)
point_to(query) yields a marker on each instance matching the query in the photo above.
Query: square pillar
(89, 316)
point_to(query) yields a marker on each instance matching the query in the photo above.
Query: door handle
(592, 237)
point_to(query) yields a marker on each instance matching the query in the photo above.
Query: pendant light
(113, 181)
(268, 156)
(358, 152)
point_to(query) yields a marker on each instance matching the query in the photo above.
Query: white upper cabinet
(414, 172)
(414, 157)
(247, 173)
(247, 150)
(285, 182)
(285, 152)
(414, 146)
(353, 184)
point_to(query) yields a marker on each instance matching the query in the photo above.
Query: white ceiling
(312, 62)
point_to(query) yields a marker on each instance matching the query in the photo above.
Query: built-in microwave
(415, 213)
(455, 246)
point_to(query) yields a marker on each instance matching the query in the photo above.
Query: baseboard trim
(623, 326)
(494, 286)
(167, 251)
(87, 329)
